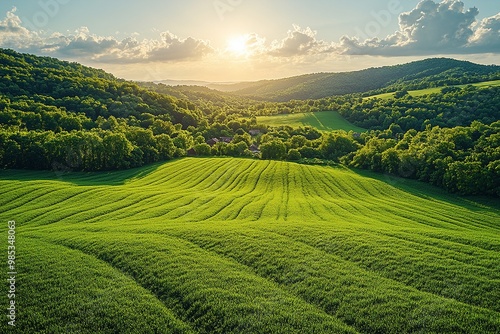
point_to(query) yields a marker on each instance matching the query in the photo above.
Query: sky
(246, 40)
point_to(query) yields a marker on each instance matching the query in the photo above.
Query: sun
(238, 46)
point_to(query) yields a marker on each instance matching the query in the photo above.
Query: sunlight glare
(238, 46)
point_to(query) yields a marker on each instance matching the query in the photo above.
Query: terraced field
(246, 246)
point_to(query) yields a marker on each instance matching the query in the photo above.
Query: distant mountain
(416, 75)
(213, 85)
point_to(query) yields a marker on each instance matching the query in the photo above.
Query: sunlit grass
(246, 246)
(323, 121)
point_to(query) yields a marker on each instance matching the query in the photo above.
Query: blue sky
(233, 40)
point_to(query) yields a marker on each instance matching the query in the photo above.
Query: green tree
(298, 141)
(309, 152)
(165, 146)
(219, 149)
(92, 151)
(273, 150)
(143, 139)
(294, 155)
(400, 94)
(162, 127)
(203, 150)
(335, 146)
(117, 151)
(390, 161)
(236, 150)
(466, 177)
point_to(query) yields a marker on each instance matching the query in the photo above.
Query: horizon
(355, 190)
(312, 73)
(230, 41)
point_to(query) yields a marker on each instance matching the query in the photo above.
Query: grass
(323, 121)
(246, 246)
(435, 90)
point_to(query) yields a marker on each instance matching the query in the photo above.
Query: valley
(299, 205)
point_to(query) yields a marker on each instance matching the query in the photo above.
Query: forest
(63, 116)
(434, 72)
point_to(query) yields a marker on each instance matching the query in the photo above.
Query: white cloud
(432, 28)
(82, 44)
(299, 46)
(487, 35)
(11, 25)
(172, 48)
(437, 26)
(255, 44)
(299, 42)
(13, 34)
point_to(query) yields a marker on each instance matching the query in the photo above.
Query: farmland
(323, 121)
(436, 90)
(247, 246)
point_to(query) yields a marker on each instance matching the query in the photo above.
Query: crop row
(234, 245)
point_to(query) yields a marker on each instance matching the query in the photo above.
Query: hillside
(61, 116)
(436, 90)
(322, 121)
(44, 85)
(233, 246)
(419, 74)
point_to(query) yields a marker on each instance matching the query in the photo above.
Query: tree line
(58, 115)
(463, 160)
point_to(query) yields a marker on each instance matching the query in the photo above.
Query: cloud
(300, 45)
(172, 48)
(299, 42)
(487, 35)
(432, 28)
(12, 33)
(255, 44)
(82, 44)
(11, 25)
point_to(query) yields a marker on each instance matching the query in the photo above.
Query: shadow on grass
(430, 192)
(106, 178)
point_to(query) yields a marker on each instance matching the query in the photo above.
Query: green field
(323, 121)
(246, 246)
(422, 92)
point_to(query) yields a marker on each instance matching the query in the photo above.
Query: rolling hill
(314, 86)
(422, 92)
(44, 85)
(246, 246)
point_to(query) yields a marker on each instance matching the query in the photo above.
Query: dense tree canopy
(461, 159)
(64, 116)
(451, 107)
(426, 73)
